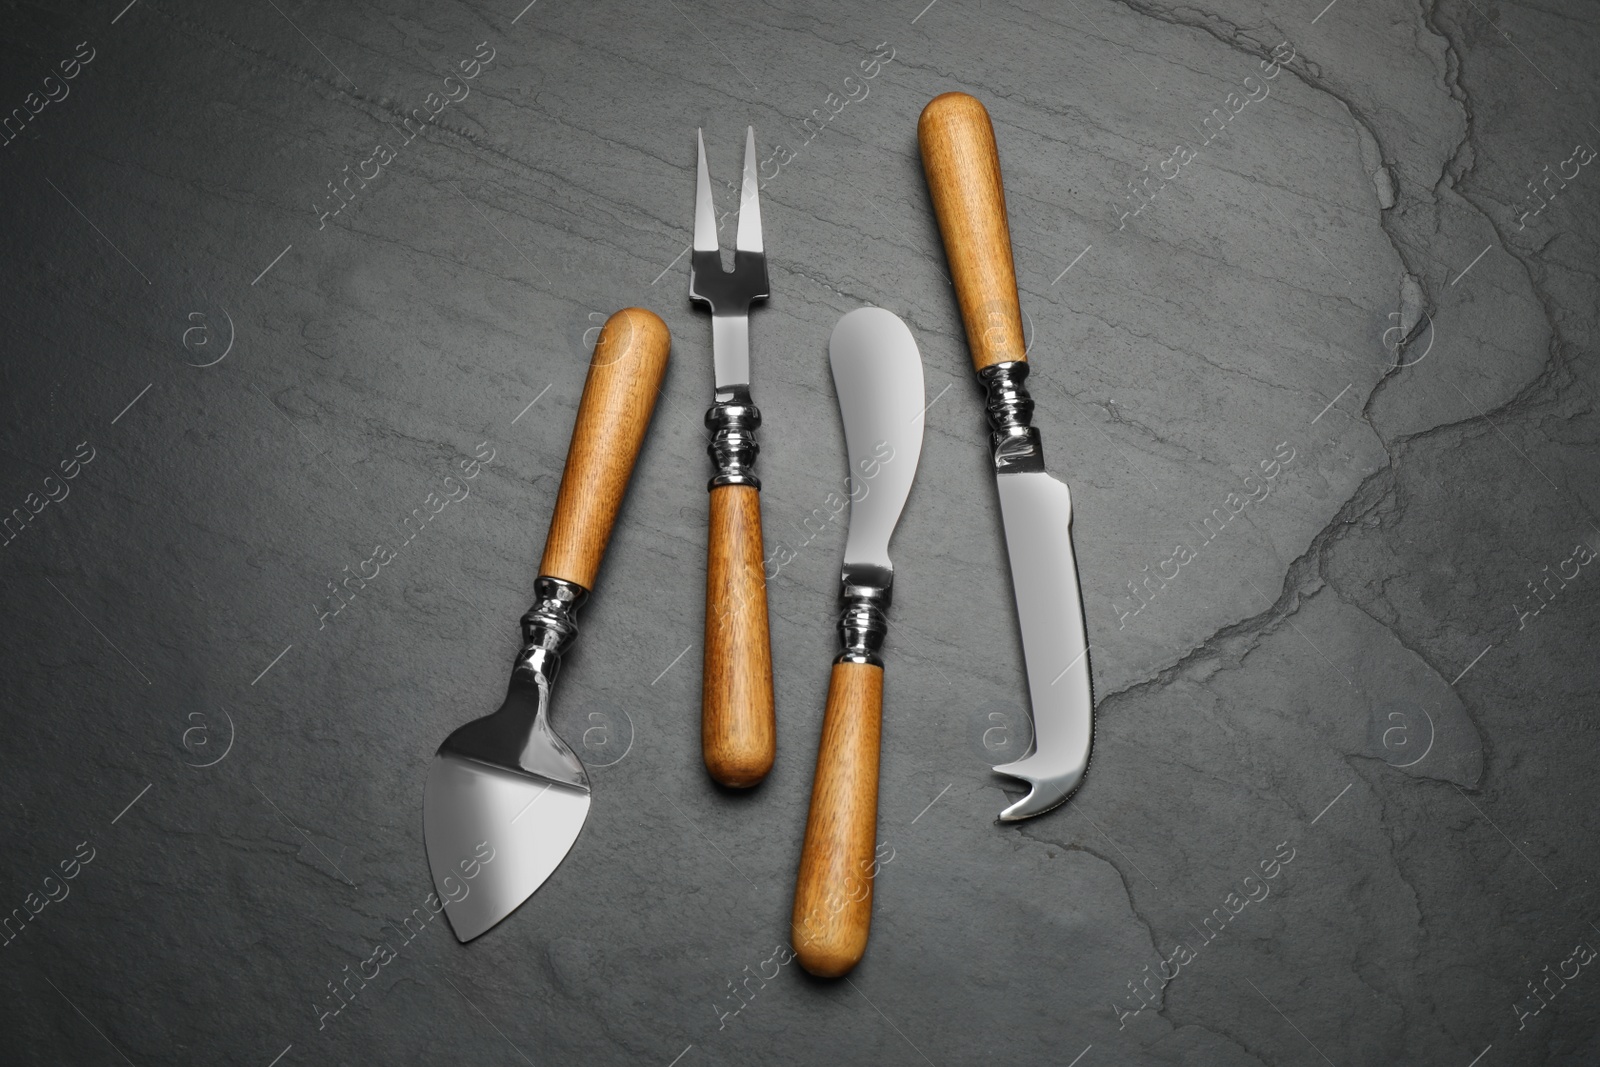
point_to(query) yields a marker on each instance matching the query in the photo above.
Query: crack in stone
(1303, 577)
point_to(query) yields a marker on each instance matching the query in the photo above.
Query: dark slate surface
(1349, 687)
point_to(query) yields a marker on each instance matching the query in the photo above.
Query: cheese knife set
(506, 798)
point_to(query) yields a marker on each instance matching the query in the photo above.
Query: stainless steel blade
(877, 372)
(506, 797)
(524, 825)
(1037, 510)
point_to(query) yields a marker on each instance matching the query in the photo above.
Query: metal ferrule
(549, 626)
(1013, 441)
(864, 614)
(732, 421)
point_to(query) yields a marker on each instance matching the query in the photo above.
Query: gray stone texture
(1351, 673)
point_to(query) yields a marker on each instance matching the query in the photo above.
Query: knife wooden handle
(738, 734)
(625, 372)
(833, 894)
(963, 171)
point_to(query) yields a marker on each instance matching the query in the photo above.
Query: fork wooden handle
(963, 171)
(625, 372)
(833, 893)
(738, 733)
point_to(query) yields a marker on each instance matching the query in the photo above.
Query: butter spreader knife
(877, 373)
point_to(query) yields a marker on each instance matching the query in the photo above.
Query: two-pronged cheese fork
(737, 729)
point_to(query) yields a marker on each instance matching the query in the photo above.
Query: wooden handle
(737, 733)
(630, 356)
(963, 170)
(833, 895)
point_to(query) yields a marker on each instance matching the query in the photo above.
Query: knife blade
(877, 373)
(962, 165)
(506, 798)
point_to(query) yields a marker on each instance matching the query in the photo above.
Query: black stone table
(1312, 302)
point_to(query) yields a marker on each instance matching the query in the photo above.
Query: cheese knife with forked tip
(506, 797)
(963, 169)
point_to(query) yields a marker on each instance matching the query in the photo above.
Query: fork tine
(705, 212)
(749, 238)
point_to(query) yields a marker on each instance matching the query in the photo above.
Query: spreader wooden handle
(630, 356)
(833, 894)
(737, 731)
(963, 171)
